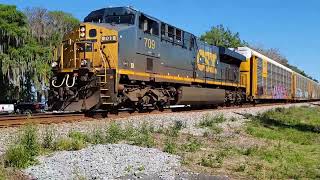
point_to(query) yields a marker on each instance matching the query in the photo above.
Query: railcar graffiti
(279, 92)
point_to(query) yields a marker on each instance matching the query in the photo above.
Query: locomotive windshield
(111, 16)
(120, 19)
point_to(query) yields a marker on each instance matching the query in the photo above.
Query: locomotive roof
(124, 9)
(248, 52)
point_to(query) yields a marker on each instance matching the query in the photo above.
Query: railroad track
(56, 118)
(43, 118)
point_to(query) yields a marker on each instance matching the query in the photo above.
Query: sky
(292, 26)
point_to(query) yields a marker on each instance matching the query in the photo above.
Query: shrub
(178, 125)
(129, 132)
(209, 121)
(48, 137)
(143, 137)
(97, 137)
(192, 145)
(29, 139)
(76, 135)
(208, 161)
(212, 123)
(69, 144)
(18, 156)
(170, 147)
(114, 133)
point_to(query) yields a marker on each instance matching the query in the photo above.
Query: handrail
(105, 65)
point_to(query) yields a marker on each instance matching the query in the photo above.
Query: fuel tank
(200, 96)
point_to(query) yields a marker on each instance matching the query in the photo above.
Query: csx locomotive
(122, 58)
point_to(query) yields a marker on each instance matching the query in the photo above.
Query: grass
(211, 122)
(293, 139)
(170, 146)
(96, 136)
(23, 152)
(192, 145)
(48, 138)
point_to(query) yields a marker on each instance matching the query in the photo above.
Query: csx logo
(149, 43)
(206, 61)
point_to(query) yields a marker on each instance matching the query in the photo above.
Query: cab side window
(148, 25)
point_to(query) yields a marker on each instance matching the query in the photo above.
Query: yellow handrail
(105, 65)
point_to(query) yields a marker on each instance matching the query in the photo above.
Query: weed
(18, 156)
(77, 174)
(249, 151)
(143, 137)
(79, 136)
(212, 123)
(208, 120)
(129, 168)
(233, 119)
(48, 137)
(170, 147)
(29, 139)
(3, 173)
(178, 125)
(241, 168)
(206, 134)
(160, 129)
(192, 145)
(114, 133)
(141, 168)
(69, 144)
(96, 136)
(209, 161)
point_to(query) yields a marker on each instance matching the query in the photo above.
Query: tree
(48, 27)
(26, 48)
(221, 36)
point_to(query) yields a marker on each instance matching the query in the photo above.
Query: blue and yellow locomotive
(120, 57)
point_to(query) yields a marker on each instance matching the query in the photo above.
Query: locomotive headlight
(84, 63)
(82, 31)
(82, 35)
(54, 64)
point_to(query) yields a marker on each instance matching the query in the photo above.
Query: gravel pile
(106, 162)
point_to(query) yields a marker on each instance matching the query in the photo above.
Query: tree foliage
(27, 41)
(48, 27)
(221, 36)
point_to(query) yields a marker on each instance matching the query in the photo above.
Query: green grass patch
(69, 144)
(293, 138)
(191, 145)
(23, 152)
(48, 138)
(211, 122)
(170, 146)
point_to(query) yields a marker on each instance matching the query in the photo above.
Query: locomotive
(123, 58)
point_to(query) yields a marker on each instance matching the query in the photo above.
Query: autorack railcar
(266, 79)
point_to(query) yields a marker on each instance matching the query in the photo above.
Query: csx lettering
(149, 43)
